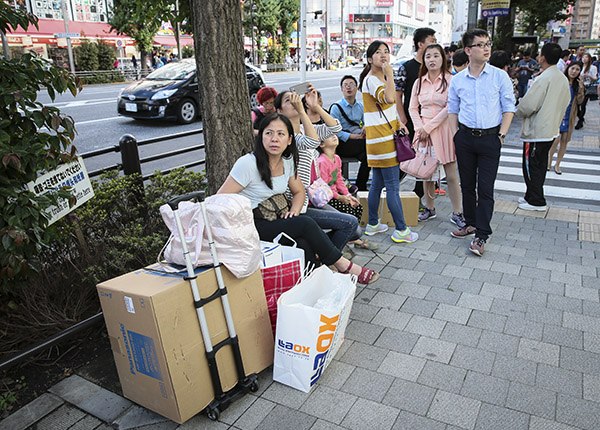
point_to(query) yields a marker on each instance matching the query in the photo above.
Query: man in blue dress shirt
(481, 105)
(350, 113)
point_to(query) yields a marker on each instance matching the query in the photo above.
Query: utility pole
(472, 15)
(303, 40)
(342, 31)
(65, 11)
(177, 30)
(5, 49)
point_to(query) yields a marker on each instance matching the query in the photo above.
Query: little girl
(330, 170)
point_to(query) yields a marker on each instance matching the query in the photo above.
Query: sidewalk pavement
(444, 340)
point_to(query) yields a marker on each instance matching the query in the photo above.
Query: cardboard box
(156, 340)
(410, 208)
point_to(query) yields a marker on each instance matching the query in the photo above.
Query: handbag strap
(381, 113)
(343, 113)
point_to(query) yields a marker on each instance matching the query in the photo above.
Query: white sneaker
(371, 230)
(522, 200)
(405, 236)
(527, 207)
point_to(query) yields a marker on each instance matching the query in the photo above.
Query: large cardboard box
(156, 340)
(410, 208)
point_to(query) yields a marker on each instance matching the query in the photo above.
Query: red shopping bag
(277, 280)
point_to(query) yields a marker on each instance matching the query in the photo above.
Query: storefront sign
(384, 3)
(367, 17)
(491, 8)
(72, 175)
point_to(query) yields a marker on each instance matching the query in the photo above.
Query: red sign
(384, 3)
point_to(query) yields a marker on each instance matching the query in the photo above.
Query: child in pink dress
(330, 170)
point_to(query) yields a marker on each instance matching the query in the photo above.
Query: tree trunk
(223, 87)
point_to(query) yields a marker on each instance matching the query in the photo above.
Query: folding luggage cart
(245, 383)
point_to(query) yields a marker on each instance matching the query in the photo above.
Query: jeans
(344, 227)
(535, 163)
(478, 159)
(387, 177)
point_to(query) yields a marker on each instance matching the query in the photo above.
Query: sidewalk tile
(408, 421)
(284, 417)
(421, 307)
(407, 275)
(517, 281)
(567, 278)
(581, 322)
(515, 369)
(397, 340)
(487, 321)
(435, 280)
(362, 355)
(508, 308)
(328, 404)
(524, 328)
(137, 416)
(425, 326)
(563, 336)
(538, 423)
(580, 361)
(582, 270)
(591, 309)
(565, 303)
(461, 334)
(454, 409)
(475, 359)
(62, 418)
(286, 396)
(234, 411)
(473, 301)
(31, 412)
(91, 398)
(392, 319)
(540, 352)
(556, 288)
(421, 254)
(388, 300)
(495, 418)
(363, 332)
(452, 313)
(508, 268)
(443, 295)
(368, 414)
(497, 291)
(455, 271)
(530, 297)
(499, 343)
(485, 275)
(535, 273)
(418, 291)
(363, 312)
(531, 400)
(581, 413)
(466, 286)
(486, 388)
(544, 315)
(367, 384)
(434, 349)
(91, 422)
(591, 388)
(325, 425)
(409, 396)
(402, 366)
(336, 375)
(253, 416)
(443, 376)
(591, 342)
(559, 380)
(582, 293)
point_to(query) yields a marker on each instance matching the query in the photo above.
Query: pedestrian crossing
(579, 183)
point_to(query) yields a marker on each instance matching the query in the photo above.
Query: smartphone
(301, 88)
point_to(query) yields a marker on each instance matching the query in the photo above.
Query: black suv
(172, 92)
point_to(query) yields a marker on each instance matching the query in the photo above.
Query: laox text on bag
(324, 342)
(301, 349)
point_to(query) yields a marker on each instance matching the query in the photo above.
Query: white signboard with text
(66, 175)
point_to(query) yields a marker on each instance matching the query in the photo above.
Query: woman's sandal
(365, 244)
(557, 171)
(366, 277)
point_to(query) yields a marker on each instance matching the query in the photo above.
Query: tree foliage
(264, 15)
(106, 56)
(537, 13)
(140, 20)
(33, 139)
(86, 56)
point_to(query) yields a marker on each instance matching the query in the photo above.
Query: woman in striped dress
(381, 121)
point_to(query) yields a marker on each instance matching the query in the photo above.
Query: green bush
(275, 55)
(106, 56)
(102, 78)
(86, 56)
(119, 230)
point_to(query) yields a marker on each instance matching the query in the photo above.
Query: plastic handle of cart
(198, 195)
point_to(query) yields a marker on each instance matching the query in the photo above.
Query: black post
(130, 156)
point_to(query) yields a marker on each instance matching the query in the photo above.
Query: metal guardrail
(130, 159)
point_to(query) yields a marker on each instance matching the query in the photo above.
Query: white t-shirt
(246, 174)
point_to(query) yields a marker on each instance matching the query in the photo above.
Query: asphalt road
(98, 125)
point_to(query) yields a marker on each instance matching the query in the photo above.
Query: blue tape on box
(144, 354)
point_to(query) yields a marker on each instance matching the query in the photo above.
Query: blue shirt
(481, 101)
(355, 112)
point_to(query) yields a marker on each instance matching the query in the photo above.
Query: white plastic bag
(311, 322)
(232, 224)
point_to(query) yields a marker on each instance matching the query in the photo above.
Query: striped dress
(381, 150)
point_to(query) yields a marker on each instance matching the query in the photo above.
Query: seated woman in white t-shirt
(270, 170)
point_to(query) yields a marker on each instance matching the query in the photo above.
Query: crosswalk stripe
(565, 164)
(566, 176)
(551, 191)
(568, 156)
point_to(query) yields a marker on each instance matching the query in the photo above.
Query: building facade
(441, 19)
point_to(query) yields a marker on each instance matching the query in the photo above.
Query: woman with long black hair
(271, 169)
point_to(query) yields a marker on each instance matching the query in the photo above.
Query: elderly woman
(266, 99)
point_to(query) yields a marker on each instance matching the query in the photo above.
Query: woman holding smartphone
(379, 96)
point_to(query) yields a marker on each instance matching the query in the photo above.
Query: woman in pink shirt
(429, 113)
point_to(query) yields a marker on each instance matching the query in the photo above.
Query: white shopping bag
(311, 322)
